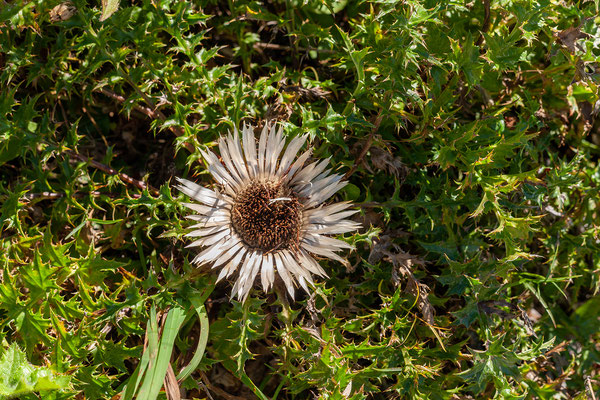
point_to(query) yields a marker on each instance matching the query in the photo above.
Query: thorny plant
(468, 133)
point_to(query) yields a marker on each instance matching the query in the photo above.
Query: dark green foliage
(471, 133)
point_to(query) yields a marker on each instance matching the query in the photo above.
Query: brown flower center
(267, 216)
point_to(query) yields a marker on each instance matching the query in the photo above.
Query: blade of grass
(538, 295)
(204, 329)
(139, 373)
(155, 374)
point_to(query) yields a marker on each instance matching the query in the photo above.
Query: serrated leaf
(18, 377)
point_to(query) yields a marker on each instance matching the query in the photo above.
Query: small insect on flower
(267, 216)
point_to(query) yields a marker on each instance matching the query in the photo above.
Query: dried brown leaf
(279, 111)
(171, 386)
(384, 160)
(307, 94)
(283, 107)
(569, 38)
(421, 293)
(62, 12)
(490, 307)
(403, 262)
(588, 116)
(586, 72)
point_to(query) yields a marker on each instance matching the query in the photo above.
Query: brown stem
(367, 145)
(486, 22)
(144, 110)
(177, 131)
(124, 177)
(274, 46)
(30, 197)
(170, 384)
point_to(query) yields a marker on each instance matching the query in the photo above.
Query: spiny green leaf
(18, 377)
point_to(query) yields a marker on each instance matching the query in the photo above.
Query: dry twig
(486, 22)
(367, 145)
(154, 114)
(273, 46)
(124, 177)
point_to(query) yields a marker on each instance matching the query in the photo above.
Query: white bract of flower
(267, 215)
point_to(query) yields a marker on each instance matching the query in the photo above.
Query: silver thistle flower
(267, 217)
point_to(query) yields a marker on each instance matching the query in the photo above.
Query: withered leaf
(385, 161)
(62, 12)
(385, 249)
(569, 38)
(306, 94)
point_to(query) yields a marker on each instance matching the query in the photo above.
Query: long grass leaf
(156, 373)
(152, 351)
(202, 341)
(135, 379)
